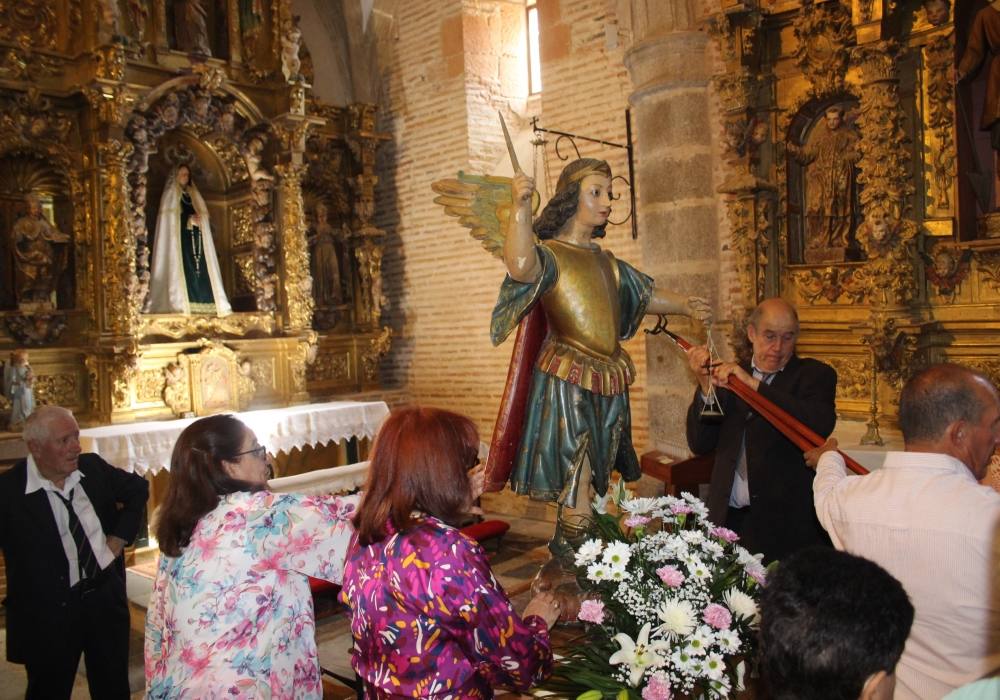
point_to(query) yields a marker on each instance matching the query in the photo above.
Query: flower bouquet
(670, 606)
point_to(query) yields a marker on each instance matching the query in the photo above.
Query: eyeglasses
(260, 452)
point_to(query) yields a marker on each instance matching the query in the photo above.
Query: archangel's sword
(509, 426)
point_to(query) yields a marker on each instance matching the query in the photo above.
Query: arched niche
(230, 150)
(824, 209)
(24, 171)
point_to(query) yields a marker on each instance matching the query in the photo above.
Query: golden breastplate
(582, 307)
(584, 314)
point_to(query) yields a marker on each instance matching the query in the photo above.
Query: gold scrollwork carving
(110, 62)
(17, 64)
(298, 281)
(939, 59)
(853, 376)
(57, 389)
(178, 327)
(243, 226)
(824, 33)
(830, 283)
(149, 385)
(28, 23)
(119, 268)
(377, 348)
(176, 388)
(332, 365)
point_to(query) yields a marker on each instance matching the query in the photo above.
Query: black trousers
(96, 625)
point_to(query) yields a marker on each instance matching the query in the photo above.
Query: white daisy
(728, 641)
(714, 667)
(617, 554)
(597, 572)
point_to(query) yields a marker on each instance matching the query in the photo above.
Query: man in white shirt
(64, 520)
(924, 517)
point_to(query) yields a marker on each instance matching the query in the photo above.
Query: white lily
(639, 654)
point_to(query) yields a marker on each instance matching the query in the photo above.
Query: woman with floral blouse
(231, 615)
(428, 617)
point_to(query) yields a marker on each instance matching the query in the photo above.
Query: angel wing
(481, 203)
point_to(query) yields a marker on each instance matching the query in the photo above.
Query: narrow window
(534, 61)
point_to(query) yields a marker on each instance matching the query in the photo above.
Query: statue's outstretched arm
(667, 302)
(519, 253)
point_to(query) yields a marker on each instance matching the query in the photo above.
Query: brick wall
(453, 65)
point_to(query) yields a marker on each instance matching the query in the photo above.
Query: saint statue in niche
(191, 27)
(17, 386)
(38, 261)
(983, 43)
(829, 157)
(186, 278)
(326, 264)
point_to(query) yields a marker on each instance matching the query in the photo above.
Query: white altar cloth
(320, 482)
(146, 447)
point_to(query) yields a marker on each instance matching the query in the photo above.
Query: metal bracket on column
(629, 181)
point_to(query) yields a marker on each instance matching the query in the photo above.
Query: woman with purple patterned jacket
(428, 617)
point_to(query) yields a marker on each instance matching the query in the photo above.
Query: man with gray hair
(65, 519)
(927, 521)
(761, 487)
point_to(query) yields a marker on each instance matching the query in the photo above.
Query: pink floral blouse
(430, 621)
(232, 616)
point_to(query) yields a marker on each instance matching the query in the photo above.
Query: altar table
(146, 447)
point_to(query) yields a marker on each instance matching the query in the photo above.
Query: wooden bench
(678, 475)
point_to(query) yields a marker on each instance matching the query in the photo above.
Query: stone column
(678, 219)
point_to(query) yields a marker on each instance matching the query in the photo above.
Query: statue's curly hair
(564, 203)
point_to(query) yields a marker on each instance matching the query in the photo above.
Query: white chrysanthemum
(640, 506)
(700, 641)
(588, 552)
(678, 618)
(618, 573)
(617, 554)
(713, 549)
(741, 604)
(728, 641)
(597, 572)
(693, 536)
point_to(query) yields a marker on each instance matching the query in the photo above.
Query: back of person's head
(832, 627)
(935, 398)
(419, 462)
(198, 478)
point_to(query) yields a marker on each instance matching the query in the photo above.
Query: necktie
(89, 568)
(741, 462)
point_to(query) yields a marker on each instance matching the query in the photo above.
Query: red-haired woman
(428, 617)
(230, 614)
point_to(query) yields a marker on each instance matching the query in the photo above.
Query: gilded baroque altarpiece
(99, 101)
(859, 182)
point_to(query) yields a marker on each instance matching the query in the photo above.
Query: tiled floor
(515, 564)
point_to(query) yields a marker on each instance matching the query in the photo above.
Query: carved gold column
(368, 239)
(746, 129)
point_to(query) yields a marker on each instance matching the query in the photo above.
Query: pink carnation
(757, 573)
(591, 611)
(636, 520)
(657, 688)
(718, 616)
(670, 576)
(680, 509)
(724, 533)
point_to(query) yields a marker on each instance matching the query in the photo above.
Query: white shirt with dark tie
(84, 511)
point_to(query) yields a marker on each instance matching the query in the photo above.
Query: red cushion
(486, 530)
(318, 585)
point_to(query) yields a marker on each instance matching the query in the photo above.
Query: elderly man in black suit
(761, 486)
(65, 518)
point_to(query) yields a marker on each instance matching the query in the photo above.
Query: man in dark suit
(64, 520)
(761, 486)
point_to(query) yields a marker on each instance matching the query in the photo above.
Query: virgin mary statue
(185, 277)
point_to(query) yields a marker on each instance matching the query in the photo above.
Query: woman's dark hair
(564, 203)
(198, 478)
(418, 462)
